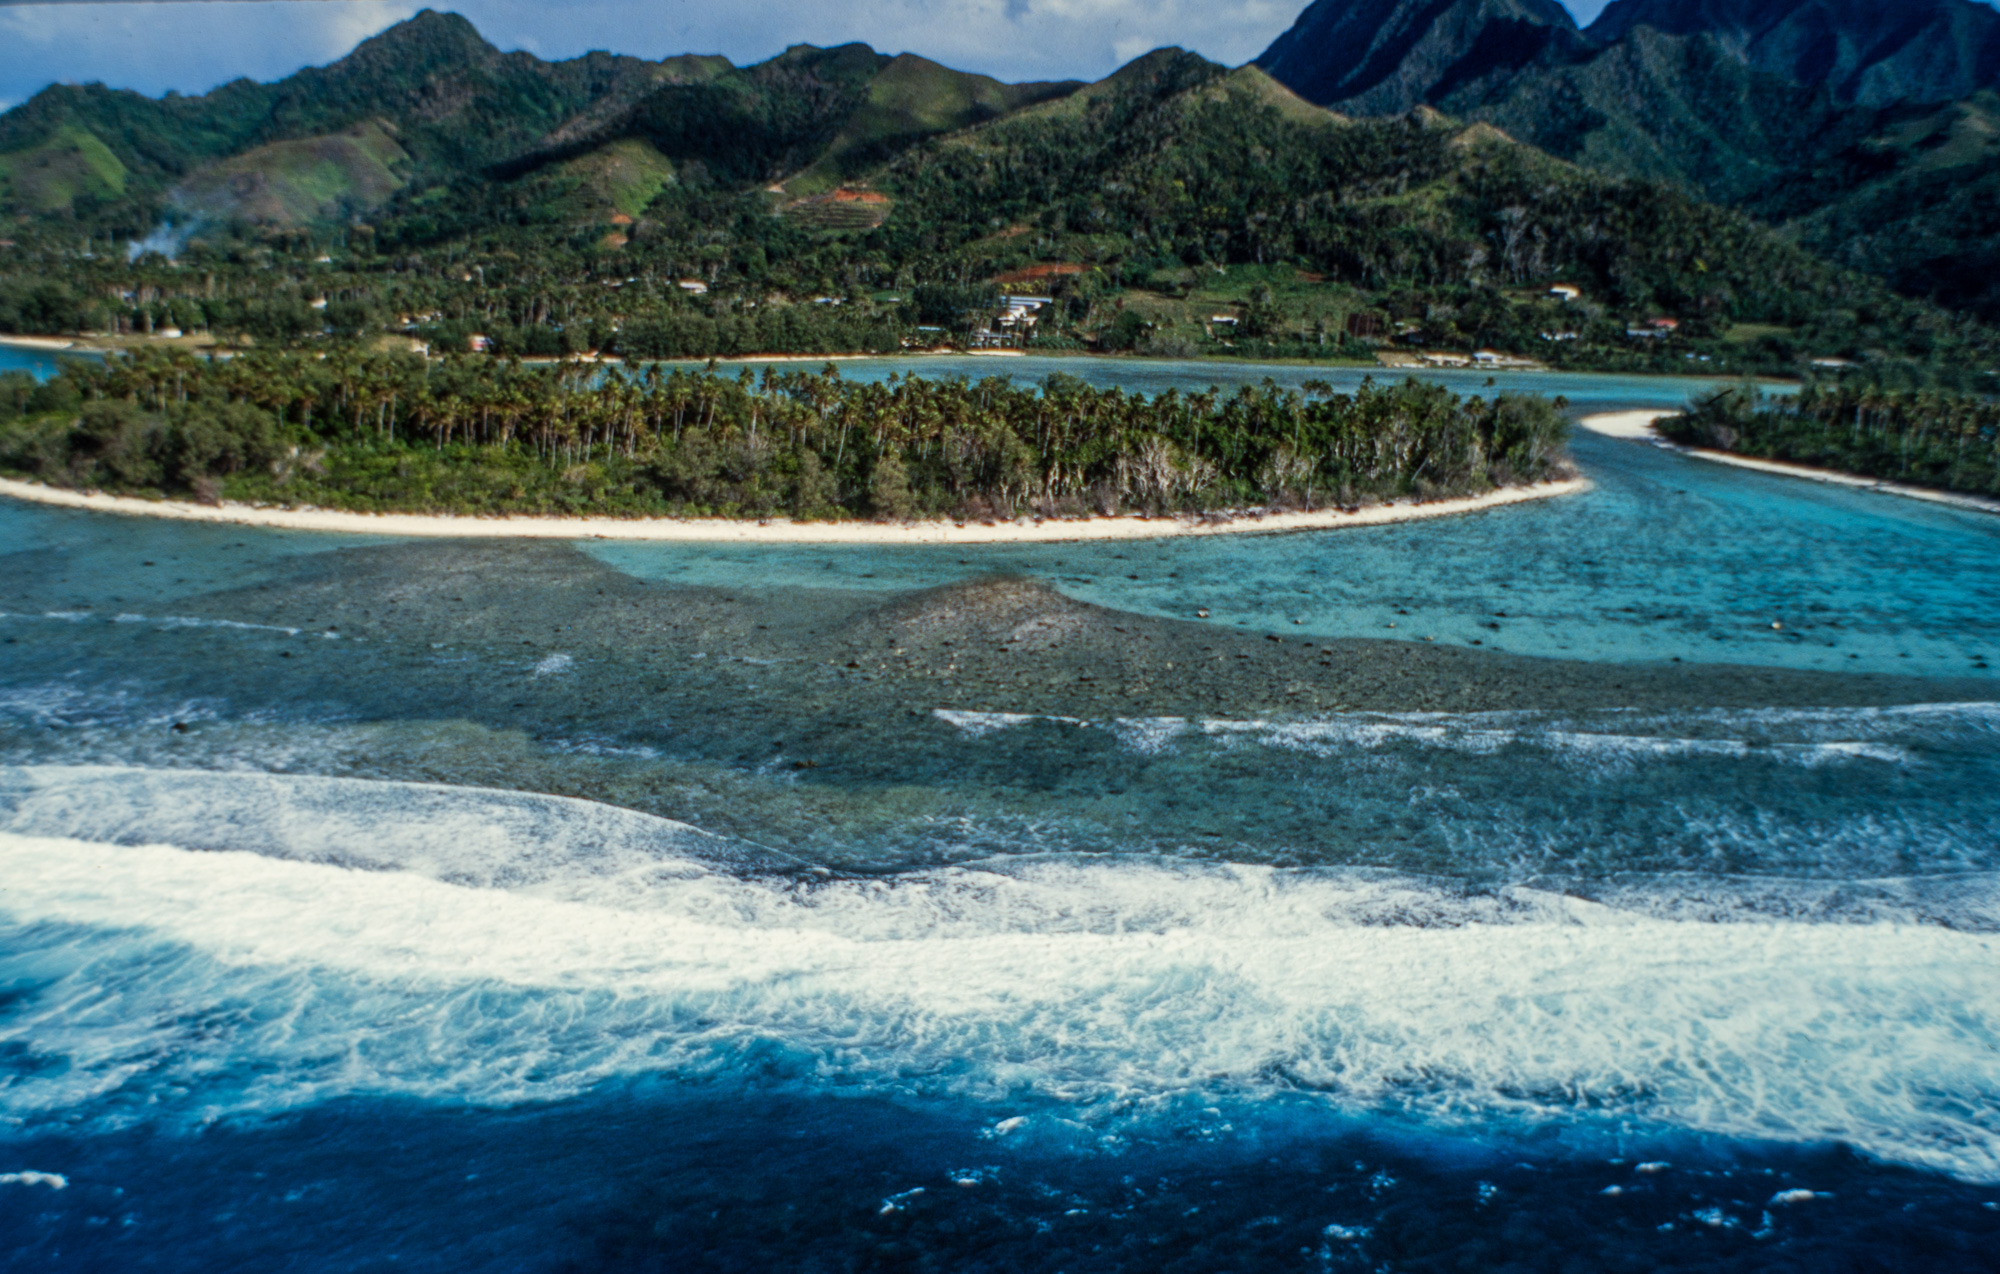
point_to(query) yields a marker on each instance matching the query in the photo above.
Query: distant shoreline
(777, 530)
(1638, 426)
(81, 345)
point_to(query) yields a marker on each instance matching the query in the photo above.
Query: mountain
(430, 102)
(1376, 57)
(1920, 207)
(1871, 52)
(1382, 57)
(456, 102)
(1452, 229)
(1856, 125)
(1674, 108)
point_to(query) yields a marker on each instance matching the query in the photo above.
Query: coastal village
(1033, 309)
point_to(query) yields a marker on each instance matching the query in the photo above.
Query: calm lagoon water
(310, 958)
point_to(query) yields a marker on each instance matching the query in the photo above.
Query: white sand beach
(778, 530)
(1637, 426)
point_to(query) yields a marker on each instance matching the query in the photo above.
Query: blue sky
(191, 47)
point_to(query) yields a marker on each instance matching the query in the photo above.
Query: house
(1559, 336)
(169, 333)
(477, 344)
(1647, 333)
(693, 287)
(1833, 363)
(319, 302)
(1437, 359)
(1565, 292)
(1021, 311)
(1223, 320)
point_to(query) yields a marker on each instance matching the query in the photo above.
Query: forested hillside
(1861, 128)
(841, 200)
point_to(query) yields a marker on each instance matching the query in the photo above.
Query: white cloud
(188, 48)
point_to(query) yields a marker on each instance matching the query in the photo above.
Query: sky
(190, 47)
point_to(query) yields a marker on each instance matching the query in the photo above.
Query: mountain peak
(423, 42)
(1381, 57)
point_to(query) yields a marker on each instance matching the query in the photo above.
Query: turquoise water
(484, 940)
(1667, 558)
(41, 364)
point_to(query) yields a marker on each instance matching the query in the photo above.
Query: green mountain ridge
(1864, 52)
(462, 111)
(1816, 116)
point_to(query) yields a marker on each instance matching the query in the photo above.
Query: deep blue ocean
(328, 947)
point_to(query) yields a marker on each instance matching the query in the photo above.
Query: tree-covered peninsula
(1925, 438)
(396, 432)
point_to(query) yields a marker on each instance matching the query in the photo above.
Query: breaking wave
(193, 945)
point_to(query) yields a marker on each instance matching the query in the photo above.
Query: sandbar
(781, 530)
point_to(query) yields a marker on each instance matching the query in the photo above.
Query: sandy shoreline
(777, 530)
(1637, 426)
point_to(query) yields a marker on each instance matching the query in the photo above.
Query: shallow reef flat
(996, 644)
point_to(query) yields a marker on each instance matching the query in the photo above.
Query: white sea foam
(555, 665)
(254, 982)
(168, 621)
(53, 1180)
(980, 724)
(69, 704)
(189, 621)
(473, 836)
(1638, 740)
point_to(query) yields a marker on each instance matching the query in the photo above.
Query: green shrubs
(1925, 438)
(188, 449)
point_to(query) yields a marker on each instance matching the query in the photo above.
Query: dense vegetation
(839, 200)
(379, 432)
(1865, 130)
(1949, 441)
